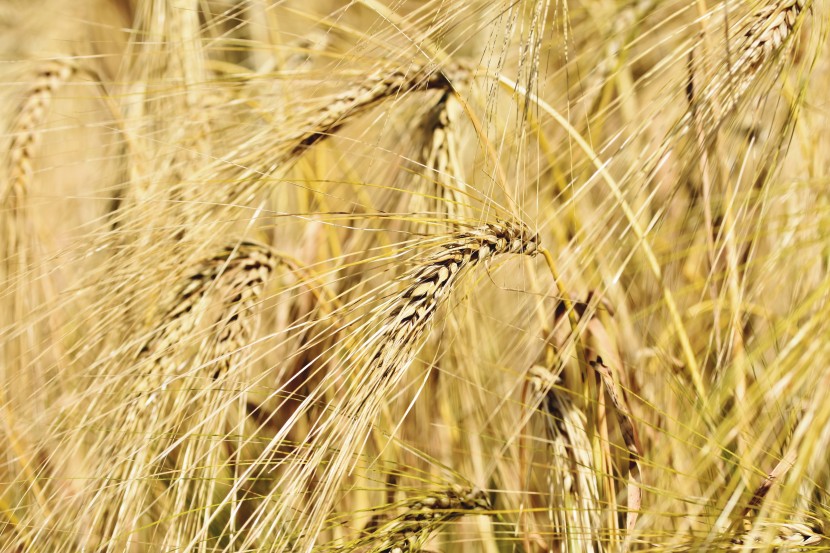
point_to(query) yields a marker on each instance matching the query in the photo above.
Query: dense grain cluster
(226, 286)
(770, 28)
(224, 289)
(27, 127)
(408, 532)
(768, 36)
(422, 517)
(382, 359)
(431, 282)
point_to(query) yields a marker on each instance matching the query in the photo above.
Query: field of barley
(398, 276)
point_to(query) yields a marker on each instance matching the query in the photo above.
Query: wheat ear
(249, 174)
(632, 443)
(410, 314)
(233, 279)
(373, 370)
(17, 242)
(228, 283)
(574, 483)
(424, 516)
(241, 272)
(768, 34)
(377, 87)
(32, 114)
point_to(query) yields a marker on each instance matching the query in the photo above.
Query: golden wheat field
(387, 276)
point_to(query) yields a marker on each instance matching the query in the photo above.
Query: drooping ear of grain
(377, 87)
(33, 111)
(212, 312)
(574, 488)
(314, 470)
(768, 37)
(25, 139)
(229, 282)
(422, 518)
(254, 171)
(21, 275)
